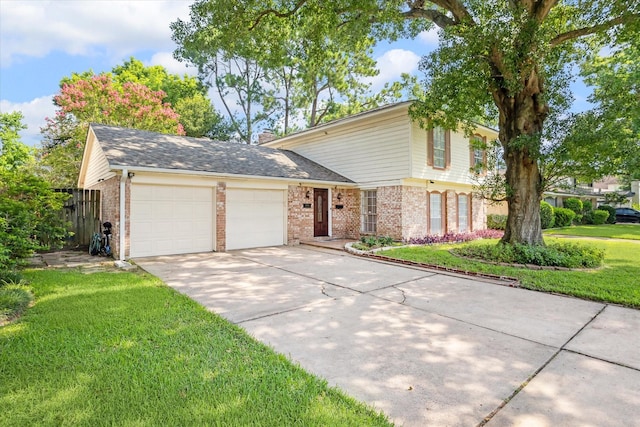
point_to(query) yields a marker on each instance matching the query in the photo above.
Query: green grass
(14, 300)
(616, 281)
(612, 231)
(124, 349)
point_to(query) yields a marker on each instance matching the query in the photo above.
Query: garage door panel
(171, 220)
(255, 218)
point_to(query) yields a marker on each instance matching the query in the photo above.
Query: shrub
(611, 219)
(496, 222)
(600, 216)
(574, 204)
(456, 237)
(587, 206)
(375, 242)
(563, 216)
(547, 217)
(569, 255)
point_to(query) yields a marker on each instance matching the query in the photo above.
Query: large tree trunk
(521, 121)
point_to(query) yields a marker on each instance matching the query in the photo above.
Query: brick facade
(403, 212)
(345, 222)
(110, 210)
(415, 218)
(389, 211)
(299, 218)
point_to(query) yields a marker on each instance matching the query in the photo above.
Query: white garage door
(255, 218)
(168, 220)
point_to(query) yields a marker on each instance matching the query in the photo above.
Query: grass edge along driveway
(615, 282)
(119, 348)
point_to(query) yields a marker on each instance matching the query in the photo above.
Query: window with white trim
(463, 213)
(368, 211)
(435, 213)
(439, 147)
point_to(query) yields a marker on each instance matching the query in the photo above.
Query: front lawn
(125, 349)
(616, 281)
(612, 231)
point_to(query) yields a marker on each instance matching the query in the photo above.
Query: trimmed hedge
(574, 204)
(564, 217)
(547, 216)
(600, 216)
(569, 255)
(612, 213)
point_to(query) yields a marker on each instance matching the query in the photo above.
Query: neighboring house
(373, 173)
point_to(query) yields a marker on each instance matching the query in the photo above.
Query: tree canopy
(132, 96)
(28, 206)
(510, 58)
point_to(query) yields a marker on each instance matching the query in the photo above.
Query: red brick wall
(389, 210)
(451, 198)
(414, 212)
(345, 222)
(110, 209)
(221, 216)
(300, 219)
(478, 213)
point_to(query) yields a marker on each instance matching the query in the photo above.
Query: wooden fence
(82, 211)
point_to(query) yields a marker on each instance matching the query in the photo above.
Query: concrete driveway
(426, 348)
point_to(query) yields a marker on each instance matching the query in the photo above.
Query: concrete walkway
(426, 348)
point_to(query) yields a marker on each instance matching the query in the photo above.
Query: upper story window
(439, 148)
(478, 158)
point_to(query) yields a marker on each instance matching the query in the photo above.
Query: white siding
(458, 172)
(367, 150)
(97, 167)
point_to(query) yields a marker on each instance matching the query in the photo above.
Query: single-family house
(376, 172)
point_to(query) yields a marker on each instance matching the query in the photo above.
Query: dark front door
(321, 212)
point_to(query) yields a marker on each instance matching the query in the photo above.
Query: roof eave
(228, 175)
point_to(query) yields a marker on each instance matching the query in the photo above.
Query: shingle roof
(137, 148)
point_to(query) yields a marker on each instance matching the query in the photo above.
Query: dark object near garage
(627, 215)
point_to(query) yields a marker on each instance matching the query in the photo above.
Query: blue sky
(43, 41)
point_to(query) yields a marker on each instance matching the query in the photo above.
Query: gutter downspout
(123, 219)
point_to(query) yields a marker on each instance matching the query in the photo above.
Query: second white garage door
(255, 218)
(168, 220)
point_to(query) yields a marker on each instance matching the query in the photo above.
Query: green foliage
(563, 217)
(186, 95)
(14, 300)
(611, 219)
(587, 206)
(574, 204)
(496, 222)
(568, 255)
(28, 206)
(13, 153)
(600, 216)
(375, 241)
(547, 215)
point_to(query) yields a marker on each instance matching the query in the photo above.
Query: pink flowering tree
(98, 99)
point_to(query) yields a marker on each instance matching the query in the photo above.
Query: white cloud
(430, 37)
(117, 28)
(34, 112)
(392, 64)
(172, 65)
